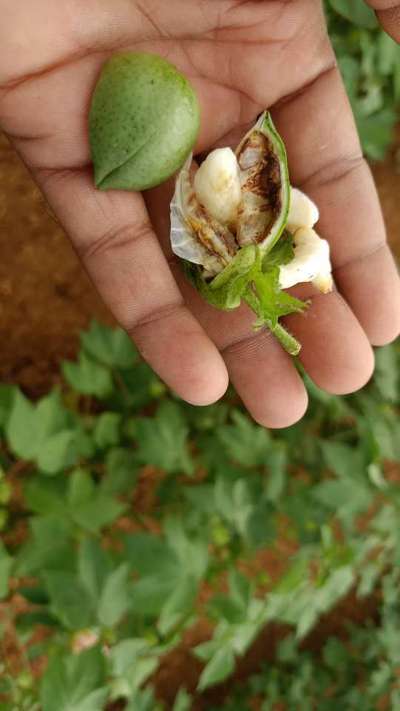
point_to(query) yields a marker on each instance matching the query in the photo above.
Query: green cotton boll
(144, 121)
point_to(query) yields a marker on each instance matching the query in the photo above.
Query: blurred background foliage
(370, 63)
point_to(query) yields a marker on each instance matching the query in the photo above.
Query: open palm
(242, 56)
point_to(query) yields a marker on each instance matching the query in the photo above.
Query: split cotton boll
(302, 213)
(217, 185)
(311, 262)
(229, 225)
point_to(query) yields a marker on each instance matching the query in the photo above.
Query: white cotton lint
(311, 262)
(217, 185)
(303, 212)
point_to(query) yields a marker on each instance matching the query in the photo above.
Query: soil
(46, 299)
(45, 296)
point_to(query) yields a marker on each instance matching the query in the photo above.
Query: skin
(243, 56)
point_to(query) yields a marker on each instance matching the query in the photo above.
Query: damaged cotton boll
(265, 186)
(217, 185)
(311, 262)
(239, 237)
(196, 235)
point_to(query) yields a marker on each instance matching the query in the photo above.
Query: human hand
(242, 57)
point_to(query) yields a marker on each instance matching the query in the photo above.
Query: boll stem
(290, 344)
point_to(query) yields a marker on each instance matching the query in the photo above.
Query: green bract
(254, 278)
(144, 121)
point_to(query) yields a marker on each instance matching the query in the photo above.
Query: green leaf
(269, 301)
(71, 683)
(114, 599)
(205, 650)
(162, 440)
(93, 701)
(192, 552)
(110, 346)
(143, 701)
(222, 607)
(149, 555)
(351, 72)
(306, 621)
(244, 441)
(81, 488)
(7, 395)
(223, 498)
(183, 701)
(121, 471)
(277, 477)
(20, 428)
(178, 605)
(97, 513)
(69, 601)
(294, 576)
(88, 377)
(388, 54)
(376, 132)
(50, 542)
(57, 453)
(282, 253)
(144, 121)
(342, 459)
(45, 496)
(37, 432)
(335, 653)
(220, 666)
(387, 378)
(94, 567)
(6, 565)
(345, 495)
(148, 595)
(159, 568)
(107, 429)
(35, 594)
(337, 585)
(356, 12)
(125, 653)
(88, 506)
(239, 588)
(132, 662)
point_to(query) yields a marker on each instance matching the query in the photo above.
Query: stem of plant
(287, 341)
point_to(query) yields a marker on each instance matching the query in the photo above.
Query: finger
(326, 162)
(335, 351)
(379, 317)
(263, 375)
(112, 234)
(388, 12)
